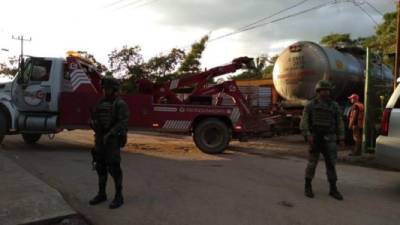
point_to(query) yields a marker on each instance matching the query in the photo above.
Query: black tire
(31, 138)
(212, 136)
(3, 126)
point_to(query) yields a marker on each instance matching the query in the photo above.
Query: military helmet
(110, 82)
(323, 85)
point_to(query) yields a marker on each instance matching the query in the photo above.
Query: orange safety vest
(356, 116)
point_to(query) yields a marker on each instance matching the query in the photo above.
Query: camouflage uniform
(111, 117)
(322, 121)
(110, 123)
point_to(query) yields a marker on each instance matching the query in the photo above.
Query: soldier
(323, 126)
(356, 123)
(110, 123)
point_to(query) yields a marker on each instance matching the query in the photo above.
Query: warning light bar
(74, 54)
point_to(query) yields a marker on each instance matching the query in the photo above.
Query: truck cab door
(35, 88)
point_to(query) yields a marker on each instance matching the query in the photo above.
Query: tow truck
(50, 95)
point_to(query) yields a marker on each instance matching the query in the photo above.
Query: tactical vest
(323, 118)
(104, 113)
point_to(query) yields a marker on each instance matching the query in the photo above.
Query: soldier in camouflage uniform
(323, 126)
(110, 123)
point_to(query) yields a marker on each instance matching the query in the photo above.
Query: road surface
(168, 181)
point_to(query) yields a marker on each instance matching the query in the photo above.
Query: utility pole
(397, 60)
(367, 92)
(22, 40)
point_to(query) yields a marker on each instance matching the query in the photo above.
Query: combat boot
(99, 198)
(101, 195)
(118, 201)
(333, 191)
(308, 189)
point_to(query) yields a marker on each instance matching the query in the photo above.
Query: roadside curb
(64, 220)
(24, 199)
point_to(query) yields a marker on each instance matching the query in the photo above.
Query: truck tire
(31, 138)
(3, 126)
(212, 136)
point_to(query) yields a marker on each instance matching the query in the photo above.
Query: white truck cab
(29, 104)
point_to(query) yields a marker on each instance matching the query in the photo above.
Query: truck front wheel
(212, 136)
(31, 138)
(3, 126)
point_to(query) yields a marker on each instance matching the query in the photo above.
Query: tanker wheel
(212, 136)
(31, 138)
(3, 126)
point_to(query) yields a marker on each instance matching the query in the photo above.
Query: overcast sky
(99, 26)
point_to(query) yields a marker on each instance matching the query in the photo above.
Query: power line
(137, 4)
(258, 25)
(249, 27)
(274, 21)
(260, 20)
(146, 3)
(366, 13)
(273, 15)
(373, 7)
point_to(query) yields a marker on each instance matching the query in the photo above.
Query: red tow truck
(50, 95)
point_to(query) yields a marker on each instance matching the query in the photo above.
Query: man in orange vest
(356, 122)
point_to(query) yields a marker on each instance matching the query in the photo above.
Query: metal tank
(303, 64)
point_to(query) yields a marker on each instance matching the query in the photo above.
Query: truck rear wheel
(31, 138)
(212, 136)
(3, 126)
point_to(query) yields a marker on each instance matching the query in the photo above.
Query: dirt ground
(175, 145)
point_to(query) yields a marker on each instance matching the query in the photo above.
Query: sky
(100, 26)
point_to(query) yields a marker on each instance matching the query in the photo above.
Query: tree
(367, 42)
(10, 68)
(128, 64)
(383, 41)
(99, 66)
(335, 39)
(191, 62)
(163, 66)
(263, 67)
(385, 38)
(267, 73)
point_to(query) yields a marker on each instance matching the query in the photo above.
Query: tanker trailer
(300, 66)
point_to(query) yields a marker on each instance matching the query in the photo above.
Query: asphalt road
(168, 181)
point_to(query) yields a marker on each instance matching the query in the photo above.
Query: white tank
(302, 65)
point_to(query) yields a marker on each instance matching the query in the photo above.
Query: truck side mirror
(20, 80)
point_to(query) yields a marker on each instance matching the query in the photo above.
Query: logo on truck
(33, 95)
